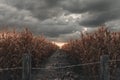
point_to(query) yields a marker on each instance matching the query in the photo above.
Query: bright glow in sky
(60, 44)
(85, 29)
(70, 17)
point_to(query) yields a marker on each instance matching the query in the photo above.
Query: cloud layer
(99, 11)
(59, 20)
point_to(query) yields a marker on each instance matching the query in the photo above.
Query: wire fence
(105, 69)
(5, 69)
(93, 63)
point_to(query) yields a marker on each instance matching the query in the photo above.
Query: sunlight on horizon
(60, 44)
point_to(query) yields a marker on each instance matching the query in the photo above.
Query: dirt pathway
(55, 68)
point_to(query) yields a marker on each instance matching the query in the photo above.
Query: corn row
(91, 46)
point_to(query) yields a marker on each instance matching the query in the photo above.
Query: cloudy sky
(60, 20)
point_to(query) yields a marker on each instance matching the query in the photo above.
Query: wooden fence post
(26, 73)
(104, 68)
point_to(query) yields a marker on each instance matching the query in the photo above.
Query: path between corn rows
(58, 59)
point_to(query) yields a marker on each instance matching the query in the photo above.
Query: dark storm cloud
(9, 14)
(81, 6)
(53, 29)
(41, 9)
(100, 18)
(52, 3)
(102, 11)
(12, 16)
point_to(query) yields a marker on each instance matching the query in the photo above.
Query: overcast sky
(60, 20)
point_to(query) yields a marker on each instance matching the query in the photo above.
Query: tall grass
(90, 46)
(14, 44)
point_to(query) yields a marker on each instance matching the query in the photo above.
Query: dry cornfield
(90, 46)
(14, 44)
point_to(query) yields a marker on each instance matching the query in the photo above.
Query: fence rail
(27, 67)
